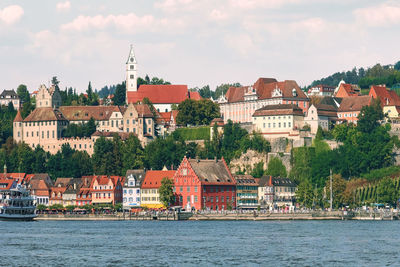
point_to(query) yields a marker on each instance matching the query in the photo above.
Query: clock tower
(131, 73)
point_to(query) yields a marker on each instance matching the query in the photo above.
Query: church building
(162, 96)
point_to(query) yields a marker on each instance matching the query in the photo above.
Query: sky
(193, 42)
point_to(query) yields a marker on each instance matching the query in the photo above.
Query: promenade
(225, 216)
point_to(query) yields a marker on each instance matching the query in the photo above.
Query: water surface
(200, 243)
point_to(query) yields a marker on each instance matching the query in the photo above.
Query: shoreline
(218, 217)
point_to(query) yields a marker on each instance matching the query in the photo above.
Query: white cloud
(385, 14)
(64, 6)
(218, 15)
(129, 23)
(11, 14)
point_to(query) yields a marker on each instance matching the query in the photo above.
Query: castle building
(48, 97)
(240, 103)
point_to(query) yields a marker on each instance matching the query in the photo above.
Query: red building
(204, 184)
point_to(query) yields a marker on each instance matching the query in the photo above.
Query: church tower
(131, 73)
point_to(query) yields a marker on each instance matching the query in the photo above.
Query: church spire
(131, 73)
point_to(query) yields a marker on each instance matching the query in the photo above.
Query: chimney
(270, 180)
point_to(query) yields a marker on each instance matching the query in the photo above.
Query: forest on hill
(365, 77)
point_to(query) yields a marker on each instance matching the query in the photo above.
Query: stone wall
(247, 161)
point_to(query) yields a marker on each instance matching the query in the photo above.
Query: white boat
(17, 204)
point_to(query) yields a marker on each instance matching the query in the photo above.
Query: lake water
(200, 243)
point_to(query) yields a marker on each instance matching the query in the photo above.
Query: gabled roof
(264, 88)
(9, 93)
(45, 114)
(40, 187)
(286, 87)
(354, 103)
(326, 110)
(84, 113)
(387, 97)
(153, 179)
(282, 109)
(350, 89)
(159, 94)
(143, 111)
(6, 184)
(194, 95)
(138, 174)
(212, 171)
(62, 182)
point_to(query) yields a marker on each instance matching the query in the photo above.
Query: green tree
(132, 154)
(276, 168)
(386, 192)
(23, 93)
(258, 170)
(197, 112)
(120, 94)
(305, 194)
(166, 191)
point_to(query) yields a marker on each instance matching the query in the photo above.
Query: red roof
(387, 97)
(18, 117)
(159, 94)
(153, 178)
(7, 183)
(194, 95)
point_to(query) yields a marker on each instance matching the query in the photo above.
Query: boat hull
(17, 217)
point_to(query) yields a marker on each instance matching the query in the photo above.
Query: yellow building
(150, 197)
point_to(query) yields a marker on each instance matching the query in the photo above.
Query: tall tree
(120, 94)
(23, 93)
(276, 167)
(166, 192)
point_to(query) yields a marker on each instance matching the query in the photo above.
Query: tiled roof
(212, 171)
(354, 103)
(153, 179)
(194, 95)
(282, 109)
(18, 117)
(9, 94)
(245, 180)
(387, 97)
(143, 111)
(137, 174)
(264, 88)
(268, 180)
(159, 94)
(326, 110)
(40, 187)
(218, 121)
(62, 181)
(351, 89)
(45, 114)
(286, 87)
(84, 113)
(6, 184)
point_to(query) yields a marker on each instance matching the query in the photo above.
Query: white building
(131, 72)
(276, 121)
(320, 115)
(131, 188)
(8, 96)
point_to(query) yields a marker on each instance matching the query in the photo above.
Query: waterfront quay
(226, 216)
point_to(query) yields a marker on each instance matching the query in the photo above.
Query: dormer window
(276, 92)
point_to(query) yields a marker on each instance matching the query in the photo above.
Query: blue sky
(193, 42)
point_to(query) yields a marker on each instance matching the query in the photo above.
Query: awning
(153, 206)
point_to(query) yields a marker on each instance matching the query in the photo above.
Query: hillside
(378, 74)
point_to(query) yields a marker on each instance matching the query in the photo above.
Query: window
(131, 77)
(222, 199)
(195, 199)
(180, 199)
(216, 199)
(211, 199)
(188, 199)
(227, 199)
(188, 189)
(195, 189)
(181, 188)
